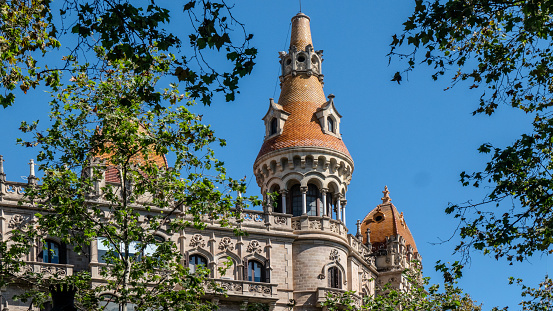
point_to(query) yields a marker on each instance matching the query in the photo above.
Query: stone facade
(300, 240)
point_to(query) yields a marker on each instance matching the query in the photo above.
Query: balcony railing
(245, 288)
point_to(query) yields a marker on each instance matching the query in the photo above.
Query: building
(298, 249)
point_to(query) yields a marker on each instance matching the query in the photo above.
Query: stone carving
(334, 255)
(53, 271)
(253, 217)
(321, 276)
(18, 221)
(226, 244)
(334, 228)
(280, 220)
(260, 289)
(315, 225)
(254, 247)
(197, 241)
(232, 287)
(296, 225)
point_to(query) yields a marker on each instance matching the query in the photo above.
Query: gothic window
(334, 277)
(195, 261)
(256, 271)
(296, 199)
(53, 252)
(330, 124)
(274, 126)
(312, 199)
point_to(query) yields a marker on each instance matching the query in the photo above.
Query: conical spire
(302, 99)
(301, 32)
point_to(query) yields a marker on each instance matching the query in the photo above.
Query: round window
(378, 217)
(301, 58)
(288, 61)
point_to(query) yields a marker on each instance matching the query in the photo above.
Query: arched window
(312, 200)
(296, 199)
(334, 277)
(52, 252)
(195, 261)
(330, 124)
(256, 271)
(273, 129)
(278, 207)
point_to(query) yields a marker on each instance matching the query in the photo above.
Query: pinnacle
(386, 198)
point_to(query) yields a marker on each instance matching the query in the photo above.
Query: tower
(304, 169)
(303, 158)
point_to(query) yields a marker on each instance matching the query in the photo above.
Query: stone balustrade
(244, 288)
(48, 270)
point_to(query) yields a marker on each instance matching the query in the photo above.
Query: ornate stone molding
(197, 241)
(226, 244)
(18, 221)
(254, 247)
(334, 255)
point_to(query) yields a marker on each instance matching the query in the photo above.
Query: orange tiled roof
(301, 96)
(393, 224)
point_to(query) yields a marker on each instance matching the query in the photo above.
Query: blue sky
(414, 137)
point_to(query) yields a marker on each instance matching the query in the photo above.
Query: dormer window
(330, 123)
(329, 118)
(274, 126)
(274, 119)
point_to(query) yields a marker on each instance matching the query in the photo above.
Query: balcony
(240, 290)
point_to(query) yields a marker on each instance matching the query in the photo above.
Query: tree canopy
(40, 38)
(503, 48)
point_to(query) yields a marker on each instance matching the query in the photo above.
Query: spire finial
(386, 198)
(300, 36)
(358, 234)
(32, 168)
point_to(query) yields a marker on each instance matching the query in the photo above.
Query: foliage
(505, 48)
(32, 33)
(120, 123)
(414, 293)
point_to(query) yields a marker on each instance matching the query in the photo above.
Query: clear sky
(414, 137)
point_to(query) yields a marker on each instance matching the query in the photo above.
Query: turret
(303, 157)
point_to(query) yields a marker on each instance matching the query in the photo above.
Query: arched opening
(195, 261)
(330, 124)
(312, 200)
(53, 252)
(296, 200)
(334, 277)
(256, 272)
(274, 127)
(276, 200)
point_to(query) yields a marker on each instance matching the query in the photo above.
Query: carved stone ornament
(18, 221)
(226, 244)
(260, 289)
(296, 225)
(197, 241)
(321, 276)
(280, 220)
(334, 228)
(316, 225)
(334, 255)
(254, 247)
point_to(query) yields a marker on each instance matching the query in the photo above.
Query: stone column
(94, 250)
(339, 208)
(323, 193)
(304, 200)
(343, 204)
(283, 194)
